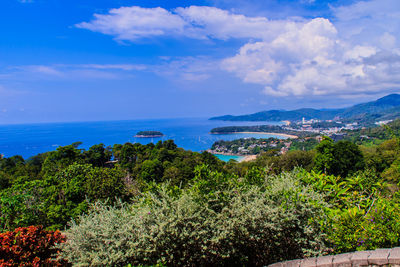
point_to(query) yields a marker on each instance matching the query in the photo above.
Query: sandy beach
(248, 158)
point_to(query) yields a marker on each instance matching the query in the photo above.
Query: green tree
(151, 170)
(4, 180)
(348, 158)
(324, 158)
(342, 158)
(127, 156)
(22, 205)
(97, 155)
(61, 158)
(64, 194)
(104, 183)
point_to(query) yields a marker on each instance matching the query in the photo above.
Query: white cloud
(366, 21)
(372, 9)
(181, 69)
(132, 23)
(388, 41)
(199, 22)
(192, 69)
(313, 59)
(125, 67)
(41, 69)
(355, 53)
(299, 61)
(72, 71)
(358, 54)
(221, 24)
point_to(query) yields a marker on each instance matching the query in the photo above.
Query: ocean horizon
(189, 133)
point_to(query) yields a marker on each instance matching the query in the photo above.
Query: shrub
(361, 214)
(30, 246)
(258, 226)
(359, 229)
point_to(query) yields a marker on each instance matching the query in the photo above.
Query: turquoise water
(227, 158)
(191, 134)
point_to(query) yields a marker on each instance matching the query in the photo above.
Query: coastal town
(327, 127)
(309, 134)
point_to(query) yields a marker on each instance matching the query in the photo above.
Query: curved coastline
(279, 134)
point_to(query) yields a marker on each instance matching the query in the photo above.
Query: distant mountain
(375, 107)
(384, 107)
(281, 115)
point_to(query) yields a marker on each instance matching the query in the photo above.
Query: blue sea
(191, 134)
(229, 157)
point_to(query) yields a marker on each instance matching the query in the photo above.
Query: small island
(147, 134)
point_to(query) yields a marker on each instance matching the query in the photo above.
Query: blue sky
(118, 59)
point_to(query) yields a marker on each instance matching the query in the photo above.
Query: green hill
(380, 106)
(383, 108)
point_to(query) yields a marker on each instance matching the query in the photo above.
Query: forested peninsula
(268, 129)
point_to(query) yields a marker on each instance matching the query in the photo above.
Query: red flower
(31, 246)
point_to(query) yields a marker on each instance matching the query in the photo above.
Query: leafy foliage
(54, 187)
(246, 146)
(257, 226)
(30, 246)
(360, 216)
(339, 158)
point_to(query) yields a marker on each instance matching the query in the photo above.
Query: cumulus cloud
(355, 53)
(308, 59)
(299, 61)
(200, 22)
(221, 24)
(131, 23)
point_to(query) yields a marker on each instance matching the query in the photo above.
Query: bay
(228, 157)
(189, 133)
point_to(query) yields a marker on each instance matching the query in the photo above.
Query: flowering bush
(245, 225)
(30, 246)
